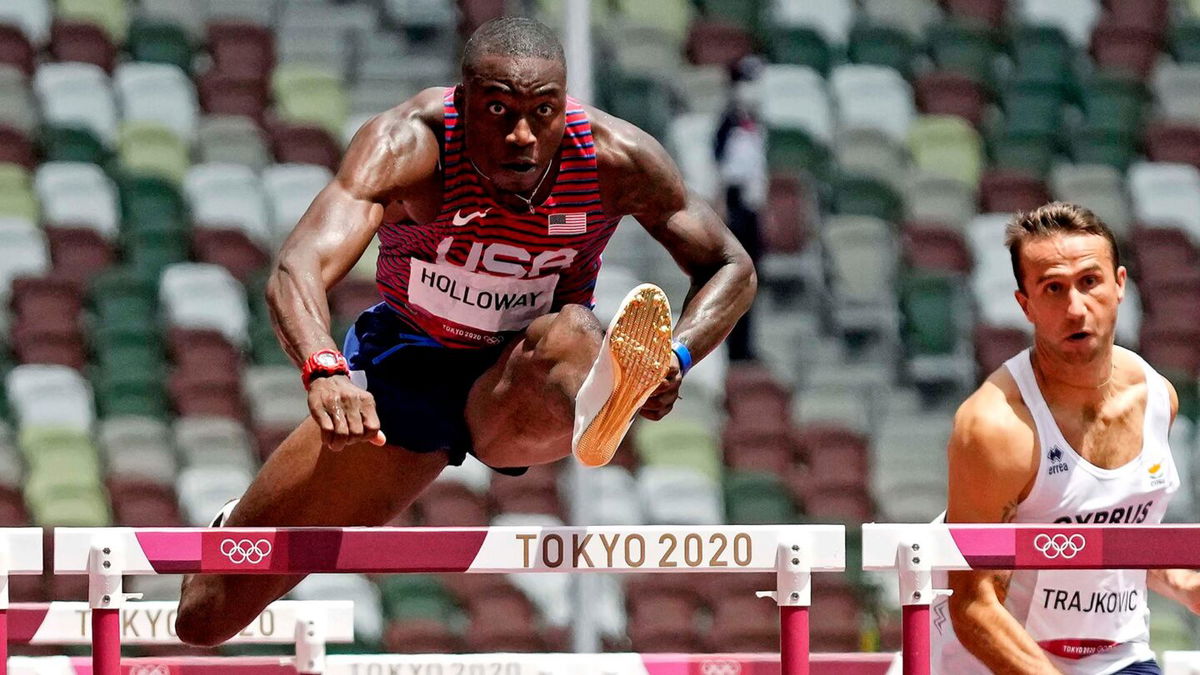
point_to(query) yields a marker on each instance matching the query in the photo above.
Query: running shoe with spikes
(633, 360)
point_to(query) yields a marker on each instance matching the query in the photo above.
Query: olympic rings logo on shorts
(1059, 545)
(241, 551)
(720, 668)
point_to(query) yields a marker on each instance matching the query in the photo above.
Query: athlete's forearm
(992, 635)
(299, 307)
(1182, 586)
(715, 303)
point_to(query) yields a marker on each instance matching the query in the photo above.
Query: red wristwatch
(323, 363)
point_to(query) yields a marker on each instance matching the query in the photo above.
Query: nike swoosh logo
(460, 220)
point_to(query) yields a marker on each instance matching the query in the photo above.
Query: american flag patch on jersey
(566, 223)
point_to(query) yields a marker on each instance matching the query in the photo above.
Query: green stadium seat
(642, 100)
(679, 443)
(264, 346)
(150, 250)
(308, 95)
(946, 145)
(864, 196)
(884, 46)
(111, 15)
(149, 149)
(964, 48)
(17, 198)
(753, 498)
(161, 42)
(794, 151)
(70, 144)
(1188, 389)
(124, 391)
(928, 313)
(670, 16)
(1031, 152)
(417, 596)
(35, 441)
(800, 45)
(1114, 102)
(1113, 147)
(152, 202)
(1044, 56)
(1033, 107)
(122, 285)
(749, 14)
(1185, 40)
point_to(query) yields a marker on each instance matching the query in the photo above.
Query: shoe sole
(639, 340)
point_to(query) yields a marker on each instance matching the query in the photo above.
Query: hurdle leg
(916, 594)
(106, 597)
(310, 644)
(5, 567)
(793, 594)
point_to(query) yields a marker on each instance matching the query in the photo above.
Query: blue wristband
(685, 357)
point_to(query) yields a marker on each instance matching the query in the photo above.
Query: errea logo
(1057, 465)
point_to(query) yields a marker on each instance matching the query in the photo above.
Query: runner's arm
(390, 151)
(988, 473)
(641, 179)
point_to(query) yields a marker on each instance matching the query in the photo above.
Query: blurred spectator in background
(740, 147)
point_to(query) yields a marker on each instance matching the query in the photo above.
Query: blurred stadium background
(154, 153)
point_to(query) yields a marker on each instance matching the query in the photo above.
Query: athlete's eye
(496, 108)
(1091, 280)
(1053, 287)
(545, 110)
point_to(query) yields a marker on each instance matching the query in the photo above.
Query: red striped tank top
(479, 272)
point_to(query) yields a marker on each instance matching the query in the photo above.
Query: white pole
(577, 43)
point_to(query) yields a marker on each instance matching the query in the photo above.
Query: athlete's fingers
(354, 425)
(324, 423)
(370, 420)
(340, 428)
(378, 439)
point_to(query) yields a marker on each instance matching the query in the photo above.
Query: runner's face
(1071, 294)
(515, 113)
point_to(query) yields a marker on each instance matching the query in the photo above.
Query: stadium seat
(1006, 191)
(50, 396)
(1030, 151)
(861, 260)
(232, 139)
(757, 499)
(111, 15)
(242, 50)
(1113, 102)
(874, 97)
(304, 144)
(1183, 40)
(184, 14)
(678, 443)
(800, 46)
(946, 146)
(857, 195)
(914, 17)
(935, 248)
(228, 196)
(195, 295)
(1177, 142)
(743, 624)
(152, 150)
(213, 441)
(833, 18)
(990, 13)
(158, 93)
(22, 252)
(1098, 187)
(1044, 56)
(17, 199)
(966, 49)
(870, 152)
(307, 95)
(77, 95)
(718, 42)
(794, 97)
(1123, 46)
(290, 188)
(33, 17)
(679, 496)
(1166, 195)
(78, 254)
(223, 94)
(16, 148)
(934, 198)
(66, 144)
(935, 317)
(696, 161)
(203, 490)
(16, 52)
(949, 93)
(1176, 91)
(1075, 18)
(17, 109)
(78, 194)
(82, 42)
(164, 42)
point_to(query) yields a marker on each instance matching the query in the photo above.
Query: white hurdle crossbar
(791, 551)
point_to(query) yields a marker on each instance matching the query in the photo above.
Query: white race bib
(480, 301)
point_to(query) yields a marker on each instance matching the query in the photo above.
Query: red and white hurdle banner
(917, 550)
(20, 553)
(792, 551)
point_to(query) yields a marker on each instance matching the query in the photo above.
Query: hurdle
(915, 551)
(793, 552)
(20, 553)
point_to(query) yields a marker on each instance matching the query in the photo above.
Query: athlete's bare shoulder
(637, 175)
(395, 149)
(994, 432)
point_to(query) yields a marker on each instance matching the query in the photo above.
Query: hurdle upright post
(793, 594)
(916, 595)
(310, 644)
(5, 566)
(106, 597)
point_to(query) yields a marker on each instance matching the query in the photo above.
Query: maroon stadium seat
(1173, 142)
(1172, 347)
(935, 248)
(744, 623)
(15, 49)
(305, 145)
(198, 349)
(420, 636)
(207, 392)
(1125, 47)
(351, 296)
(47, 303)
(717, 43)
(994, 345)
(837, 504)
(1160, 252)
(451, 504)
(78, 253)
(16, 148)
(838, 628)
(785, 222)
(947, 93)
(1148, 14)
(1007, 191)
(231, 249)
(475, 13)
(64, 348)
(988, 12)
(83, 42)
(225, 94)
(241, 50)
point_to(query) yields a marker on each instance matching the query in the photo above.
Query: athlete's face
(1071, 294)
(515, 113)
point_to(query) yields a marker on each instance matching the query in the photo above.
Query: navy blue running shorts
(1141, 668)
(420, 387)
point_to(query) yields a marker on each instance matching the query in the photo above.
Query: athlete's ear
(1023, 301)
(1122, 274)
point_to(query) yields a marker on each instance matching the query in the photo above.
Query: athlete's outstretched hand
(344, 411)
(663, 398)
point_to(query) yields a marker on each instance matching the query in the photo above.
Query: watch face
(326, 360)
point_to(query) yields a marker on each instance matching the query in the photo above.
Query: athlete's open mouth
(519, 166)
(1081, 335)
